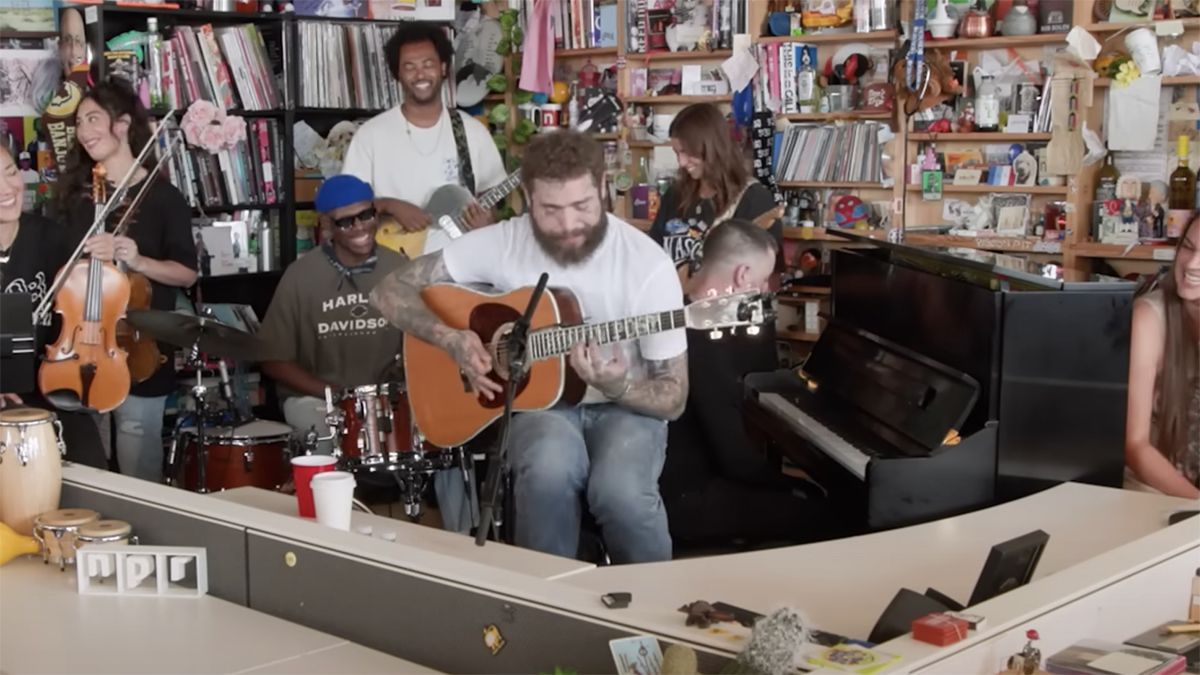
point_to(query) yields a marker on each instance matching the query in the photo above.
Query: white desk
(46, 626)
(494, 554)
(844, 585)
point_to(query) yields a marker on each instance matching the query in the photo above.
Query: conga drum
(30, 466)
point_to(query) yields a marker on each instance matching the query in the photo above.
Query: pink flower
(234, 130)
(203, 112)
(212, 138)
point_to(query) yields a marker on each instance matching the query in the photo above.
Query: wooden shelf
(832, 116)
(826, 38)
(585, 53)
(990, 243)
(821, 234)
(649, 144)
(1113, 26)
(832, 184)
(1092, 249)
(979, 136)
(1171, 81)
(676, 98)
(997, 42)
(639, 57)
(983, 189)
(797, 336)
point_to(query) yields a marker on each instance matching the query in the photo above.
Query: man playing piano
(717, 483)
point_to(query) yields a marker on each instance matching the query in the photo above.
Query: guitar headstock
(750, 309)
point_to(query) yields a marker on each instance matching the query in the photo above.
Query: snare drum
(256, 453)
(378, 431)
(104, 532)
(30, 466)
(56, 532)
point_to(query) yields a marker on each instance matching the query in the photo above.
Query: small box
(939, 629)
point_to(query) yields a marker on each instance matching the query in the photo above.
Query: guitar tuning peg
(752, 330)
(715, 334)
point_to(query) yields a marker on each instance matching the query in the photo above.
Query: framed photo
(1010, 213)
(1009, 565)
(1025, 169)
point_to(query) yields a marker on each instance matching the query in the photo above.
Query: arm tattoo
(398, 297)
(663, 394)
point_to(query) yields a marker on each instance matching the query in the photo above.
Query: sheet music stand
(18, 346)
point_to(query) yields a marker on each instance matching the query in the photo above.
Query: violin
(86, 367)
(144, 356)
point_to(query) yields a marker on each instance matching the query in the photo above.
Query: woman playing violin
(112, 127)
(32, 250)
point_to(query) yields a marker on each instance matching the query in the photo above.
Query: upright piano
(947, 380)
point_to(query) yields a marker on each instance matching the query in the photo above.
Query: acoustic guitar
(449, 414)
(447, 207)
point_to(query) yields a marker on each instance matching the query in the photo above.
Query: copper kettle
(977, 23)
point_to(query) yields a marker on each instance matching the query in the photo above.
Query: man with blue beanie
(321, 328)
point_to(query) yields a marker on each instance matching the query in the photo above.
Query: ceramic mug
(550, 114)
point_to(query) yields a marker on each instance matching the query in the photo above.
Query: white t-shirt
(628, 275)
(403, 161)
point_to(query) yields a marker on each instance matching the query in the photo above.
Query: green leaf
(501, 141)
(518, 36)
(522, 96)
(504, 46)
(498, 83)
(508, 19)
(526, 127)
(499, 114)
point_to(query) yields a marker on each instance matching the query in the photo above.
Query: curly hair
(413, 32)
(560, 156)
(117, 99)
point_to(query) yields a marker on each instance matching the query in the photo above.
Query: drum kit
(370, 426)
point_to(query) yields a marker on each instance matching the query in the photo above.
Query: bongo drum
(57, 531)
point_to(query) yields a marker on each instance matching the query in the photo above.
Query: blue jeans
(611, 454)
(139, 422)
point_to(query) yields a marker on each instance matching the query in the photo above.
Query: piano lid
(990, 269)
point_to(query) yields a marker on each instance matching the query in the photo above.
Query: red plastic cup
(304, 468)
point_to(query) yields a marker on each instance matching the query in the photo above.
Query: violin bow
(172, 147)
(114, 198)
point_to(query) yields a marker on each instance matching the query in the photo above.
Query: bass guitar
(449, 414)
(447, 206)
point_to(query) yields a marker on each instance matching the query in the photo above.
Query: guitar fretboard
(547, 342)
(488, 200)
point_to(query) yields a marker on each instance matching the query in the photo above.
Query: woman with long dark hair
(1162, 428)
(32, 251)
(111, 129)
(713, 185)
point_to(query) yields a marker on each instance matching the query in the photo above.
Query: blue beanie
(342, 190)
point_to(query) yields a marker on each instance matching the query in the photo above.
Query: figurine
(1029, 659)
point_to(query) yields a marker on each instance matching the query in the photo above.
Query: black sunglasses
(348, 222)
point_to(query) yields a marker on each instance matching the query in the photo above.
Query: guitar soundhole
(491, 322)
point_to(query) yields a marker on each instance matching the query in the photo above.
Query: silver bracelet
(628, 384)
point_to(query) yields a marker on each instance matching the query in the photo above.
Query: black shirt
(679, 233)
(162, 229)
(40, 250)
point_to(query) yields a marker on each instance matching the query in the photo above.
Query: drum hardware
(56, 531)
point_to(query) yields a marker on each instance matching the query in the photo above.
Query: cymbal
(184, 330)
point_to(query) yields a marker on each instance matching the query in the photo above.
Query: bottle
(154, 63)
(987, 106)
(1182, 195)
(806, 83)
(1106, 182)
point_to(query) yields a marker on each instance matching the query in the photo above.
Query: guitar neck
(489, 199)
(546, 343)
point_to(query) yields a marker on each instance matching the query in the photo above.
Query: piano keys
(1028, 372)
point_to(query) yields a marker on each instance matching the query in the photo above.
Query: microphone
(680, 660)
(520, 329)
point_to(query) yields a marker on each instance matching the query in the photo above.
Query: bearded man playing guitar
(611, 447)
(410, 151)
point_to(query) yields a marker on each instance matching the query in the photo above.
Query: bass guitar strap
(465, 171)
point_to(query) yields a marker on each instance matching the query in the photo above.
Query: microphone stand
(518, 352)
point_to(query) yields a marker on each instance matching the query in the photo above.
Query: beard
(566, 255)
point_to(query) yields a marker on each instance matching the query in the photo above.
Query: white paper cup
(333, 496)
